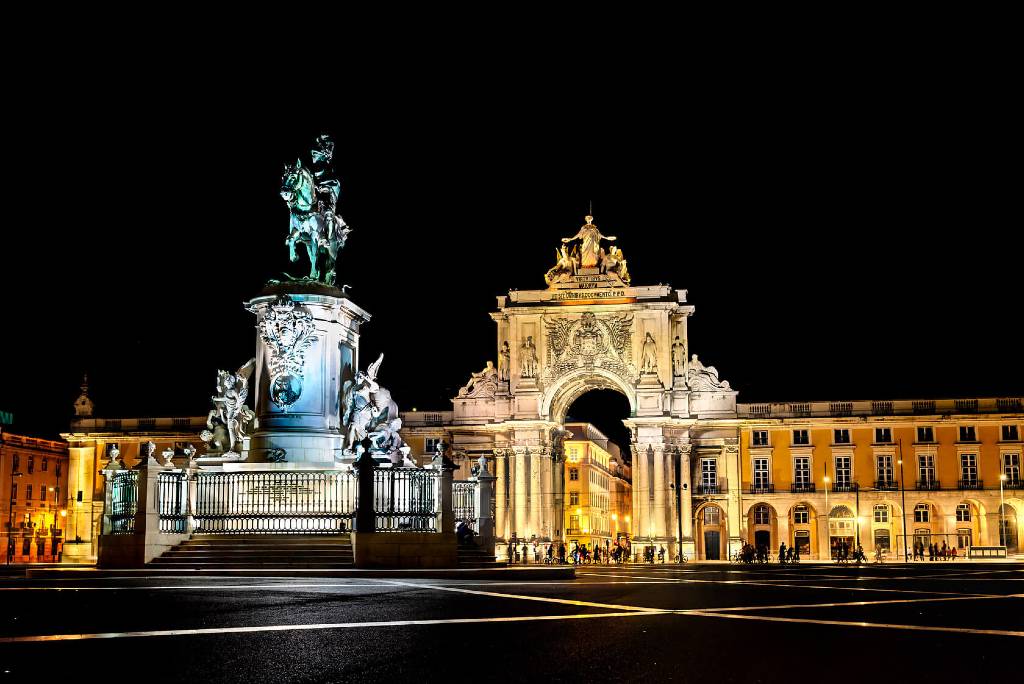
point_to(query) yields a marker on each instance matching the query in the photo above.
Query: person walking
(782, 552)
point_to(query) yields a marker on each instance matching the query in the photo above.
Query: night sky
(836, 245)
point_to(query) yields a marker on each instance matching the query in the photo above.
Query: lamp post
(828, 516)
(857, 512)
(10, 521)
(902, 494)
(1002, 511)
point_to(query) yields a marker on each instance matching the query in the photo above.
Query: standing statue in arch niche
(229, 419)
(504, 359)
(649, 360)
(678, 358)
(528, 359)
(312, 197)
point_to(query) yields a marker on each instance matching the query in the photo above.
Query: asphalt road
(957, 622)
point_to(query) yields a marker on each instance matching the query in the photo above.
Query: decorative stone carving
(589, 342)
(370, 415)
(277, 455)
(590, 243)
(482, 384)
(230, 419)
(504, 361)
(678, 358)
(528, 359)
(112, 453)
(701, 378)
(83, 405)
(615, 262)
(288, 331)
(566, 264)
(146, 451)
(649, 356)
(168, 456)
(312, 196)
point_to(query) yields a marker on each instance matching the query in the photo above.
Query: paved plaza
(699, 622)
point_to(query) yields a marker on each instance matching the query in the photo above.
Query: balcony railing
(1013, 483)
(970, 484)
(845, 486)
(887, 485)
(762, 489)
(711, 487)
(798, 487)
(929, 485)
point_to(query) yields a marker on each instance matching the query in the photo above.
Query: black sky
(840, 237)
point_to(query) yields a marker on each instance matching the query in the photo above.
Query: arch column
(661, 492)
(536, 494)
(501, 495)
(521, 519)
(687, 485)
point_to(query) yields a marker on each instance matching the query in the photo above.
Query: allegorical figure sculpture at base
(701, 378)
(230, 419)
(482, 384)
(312, 197)
(370, 416)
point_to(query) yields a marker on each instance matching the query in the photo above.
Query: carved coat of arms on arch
(589, 342)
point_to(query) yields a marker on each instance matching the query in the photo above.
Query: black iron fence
(275, 502)
(464, 503)
(124, 501)
(172, 501)
(406, 499)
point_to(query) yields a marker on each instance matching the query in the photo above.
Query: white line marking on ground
(524, 597)
(843, 623)
(336, 625)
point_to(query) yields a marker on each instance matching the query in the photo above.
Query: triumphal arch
(592, 328)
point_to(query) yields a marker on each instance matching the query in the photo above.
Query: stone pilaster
(521, 513)
(501, 494)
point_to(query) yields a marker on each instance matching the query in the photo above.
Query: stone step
(256, 558)
(208, 565)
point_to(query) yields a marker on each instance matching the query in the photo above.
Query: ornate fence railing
(406, 499)
(124, 501)
(282, 502)
(464, 503)
(172, 501)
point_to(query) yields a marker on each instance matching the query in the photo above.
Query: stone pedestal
(307, 355)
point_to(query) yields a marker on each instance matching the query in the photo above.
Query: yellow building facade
(881, 473)
(598, 493)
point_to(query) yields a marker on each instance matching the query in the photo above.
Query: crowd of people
(934, 551)
(526, 552)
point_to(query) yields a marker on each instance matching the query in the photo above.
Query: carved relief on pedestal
(288, 331)
(587, 343)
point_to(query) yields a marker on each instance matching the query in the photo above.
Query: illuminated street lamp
(1002, 511)
(10, 521)
(828, 515)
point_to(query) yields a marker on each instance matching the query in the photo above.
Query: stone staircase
(475, 557)
(258, 551)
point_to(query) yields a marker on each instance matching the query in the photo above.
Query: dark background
(842, 237)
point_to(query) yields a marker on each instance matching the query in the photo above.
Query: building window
(760, 438)
(42, 493)
(801, 437)
(882, 539)
(1010, 433)
(926, 467)
(574, 498)
(800, 515)
(761, 472)
(16, 462)
(925, 434)
(31, 464)
(430, 444)
(969, 468)
(963, 512)
(963, 538)
(802, 539)
(883, 435)
(761, 515)
(883, 469)
(1011, 467)
(922, 513)
(56, 469)
(574, 474)
(46, 464)
(709, 474)
(881, 512)
(802, 471)
(967, 433)
(843, 471)
(28, 492)
(14, 491)
(712, 515)
(841, 436)
(574, 524)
